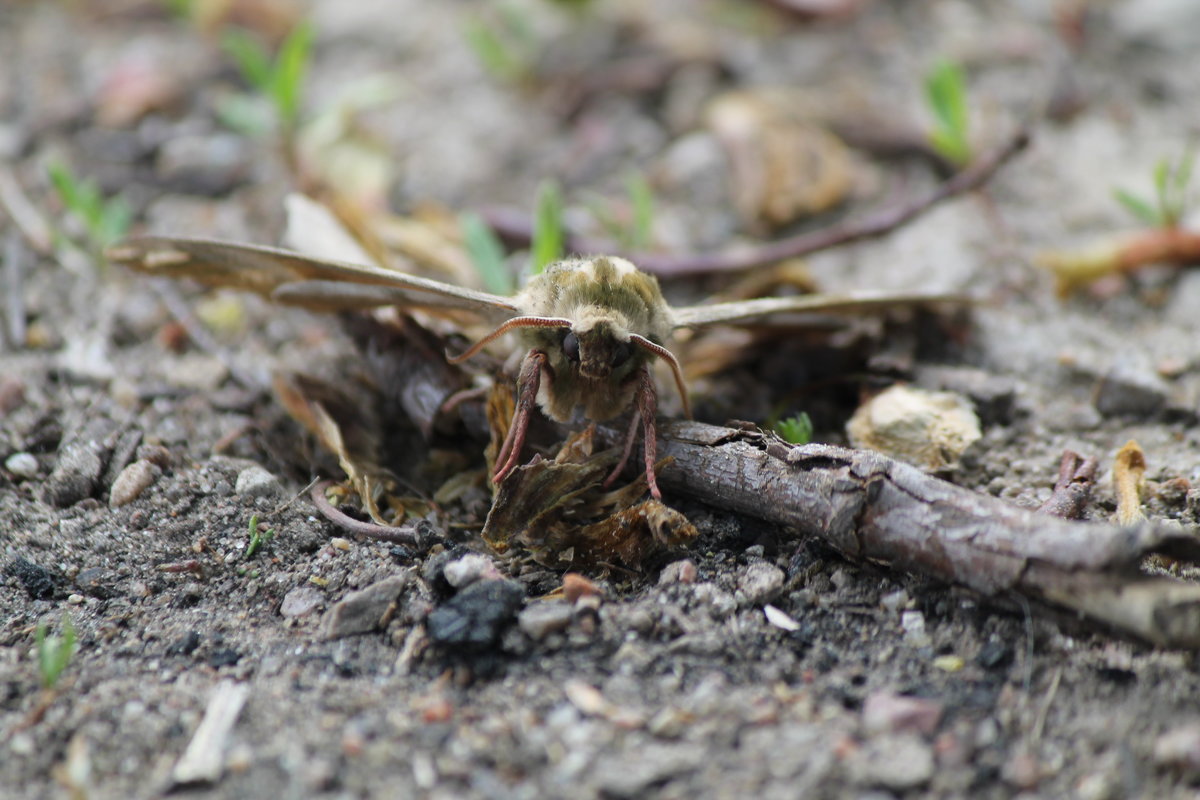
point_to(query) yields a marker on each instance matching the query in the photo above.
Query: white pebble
(23, 465)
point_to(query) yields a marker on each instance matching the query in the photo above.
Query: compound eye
(570, 346)
(621, 353)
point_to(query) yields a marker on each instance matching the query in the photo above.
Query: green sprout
(796, 429)
(641, 201)
(54, 652)
(548, 237)
(278, 79)
(104, 220)
(504, 43)
(257, 538)
(945, 89)
(1170, 194)
(487, 254)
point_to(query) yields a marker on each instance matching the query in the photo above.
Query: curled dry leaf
(560, 511)
(927, 429)
(346, 425)
(784, 166)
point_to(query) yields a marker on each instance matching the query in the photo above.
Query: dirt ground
(673, 682)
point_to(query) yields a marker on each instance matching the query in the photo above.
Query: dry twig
(516, 227)
(872, 507)
(1073, 489)
(400, 534)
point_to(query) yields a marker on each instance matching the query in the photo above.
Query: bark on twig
(517, 228)
(1073, 489)
(874, 508)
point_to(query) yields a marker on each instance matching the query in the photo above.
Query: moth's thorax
(607, 299)
(585, 290)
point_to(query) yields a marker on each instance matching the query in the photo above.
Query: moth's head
(598, 345)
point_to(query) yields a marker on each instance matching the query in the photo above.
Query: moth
(591, 326)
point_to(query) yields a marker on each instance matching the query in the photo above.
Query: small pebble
(683, 571)
(254, 481)
(364, 610)
(949, 663)
(1179, 748)
(462, 572)
(898, 762)
(759, 583)
(885, 712)
(12, 394)
(131, 482)
(542, 619)
(75, 599)
(576, 586)
(338, 543)
(75, 474)
(913, 623)
(301, 601)
(780, 619)
(22, 465)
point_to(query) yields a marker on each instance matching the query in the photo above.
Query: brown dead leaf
(348, 426)
(784, 166)
(560, 511)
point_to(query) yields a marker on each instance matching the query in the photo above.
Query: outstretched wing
(748, 310)
(295, 279)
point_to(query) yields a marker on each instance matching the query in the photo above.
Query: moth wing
(849, 303)
(296, 279)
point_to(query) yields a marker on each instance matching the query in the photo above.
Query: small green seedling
(641, 201)
(796, 429)
(54, 652)
(504, 43)
(548, 244)
(279, 79)
(1171, 197)
(257, 538)
(946, 92)
(104, 220)
(487, 254)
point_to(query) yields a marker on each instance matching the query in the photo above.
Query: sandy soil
(673, 682)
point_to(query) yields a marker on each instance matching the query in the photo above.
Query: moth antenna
(669, 357)
(515, 322)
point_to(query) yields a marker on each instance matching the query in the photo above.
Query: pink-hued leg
(647, 403)
(646, 398)
(630, 440)
(528, 382)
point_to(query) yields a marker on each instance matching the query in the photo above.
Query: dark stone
(475, 618)
(39, 583)
(185, 645)
(96, 582)
(225, 657)
(994, 655)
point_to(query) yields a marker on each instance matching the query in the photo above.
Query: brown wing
(746, 310)
(296, 279)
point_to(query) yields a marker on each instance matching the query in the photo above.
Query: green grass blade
(251, 58)
(548, 230)
(1139, 208)
(291, 66)
(487, 254)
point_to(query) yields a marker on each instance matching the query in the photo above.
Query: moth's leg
(647, 406)
(630, 439)
(528, 382)
(646, 399)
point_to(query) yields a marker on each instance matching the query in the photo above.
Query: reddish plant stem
(515, 228)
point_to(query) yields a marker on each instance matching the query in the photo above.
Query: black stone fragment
(39, 583)
(994, 654)
(474, 619)
(184, 645)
